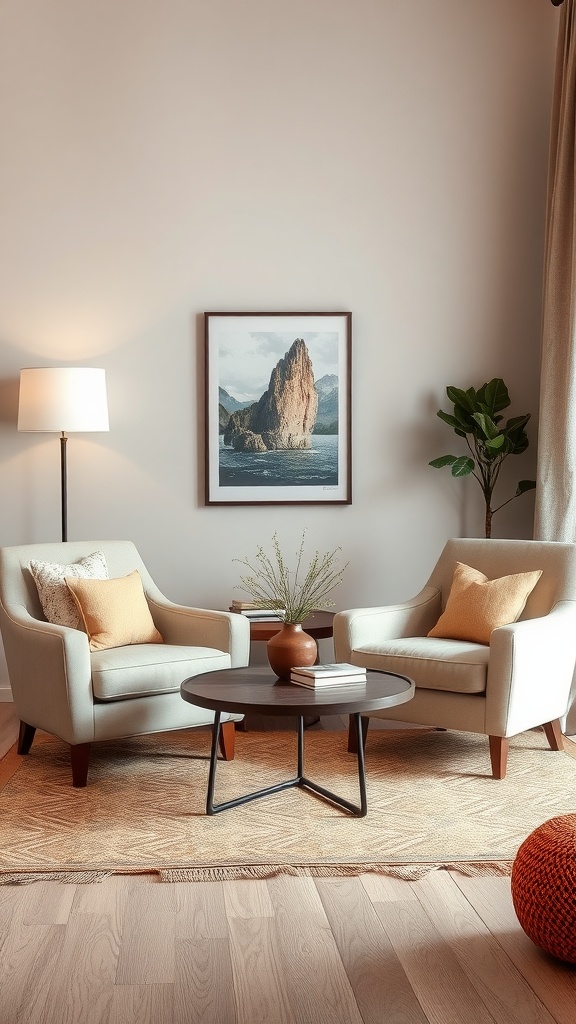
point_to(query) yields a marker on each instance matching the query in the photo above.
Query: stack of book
(249, 609)
(340, 674)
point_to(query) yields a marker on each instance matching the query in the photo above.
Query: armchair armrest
(358, 627)
(50, 675)
(201, 627)
(530, 671)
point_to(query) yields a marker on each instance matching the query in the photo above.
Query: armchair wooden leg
(227, 740)
(80, 757)
(352, 741)
(554, 734)
(25, 737)
(499, 746)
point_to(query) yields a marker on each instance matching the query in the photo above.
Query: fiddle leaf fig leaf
(519, 444)
(494, 444)
(496, 395)
(516, 423)
(463, 466)
(450, 420)
(464, 418)
(444, 460)
(487, 425)
(523, 486)
(460, 397)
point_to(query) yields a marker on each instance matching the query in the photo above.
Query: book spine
(329, 675)
(264, 614)
(319, 683)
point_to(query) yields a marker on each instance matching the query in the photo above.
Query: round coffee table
(256, 690)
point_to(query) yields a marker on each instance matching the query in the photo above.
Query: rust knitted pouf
(544, 886)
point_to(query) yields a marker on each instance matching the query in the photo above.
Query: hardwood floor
(364, 950)
(9, 726)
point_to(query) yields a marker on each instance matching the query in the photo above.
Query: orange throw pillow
(477, 605)
(115, 612)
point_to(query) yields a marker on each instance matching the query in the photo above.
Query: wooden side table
(319, 625)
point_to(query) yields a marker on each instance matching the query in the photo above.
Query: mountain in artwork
(284, 417)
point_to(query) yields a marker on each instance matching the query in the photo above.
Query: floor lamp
(66, 399)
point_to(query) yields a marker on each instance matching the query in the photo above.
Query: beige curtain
(556, 493)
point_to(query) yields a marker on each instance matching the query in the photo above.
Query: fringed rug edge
(409, 871)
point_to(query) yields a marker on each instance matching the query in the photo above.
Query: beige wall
(161, 158)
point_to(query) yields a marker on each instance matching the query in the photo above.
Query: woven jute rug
(432, 803)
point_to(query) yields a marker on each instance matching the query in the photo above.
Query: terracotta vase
(289, 647)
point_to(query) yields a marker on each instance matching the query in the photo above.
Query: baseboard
(5, 695)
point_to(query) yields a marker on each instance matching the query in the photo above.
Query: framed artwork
(278, 417)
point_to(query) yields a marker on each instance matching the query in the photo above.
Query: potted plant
(476, 417)
(293, 594)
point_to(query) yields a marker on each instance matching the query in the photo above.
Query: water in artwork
(313, 467)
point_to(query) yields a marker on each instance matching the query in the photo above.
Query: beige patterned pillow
(57, 602)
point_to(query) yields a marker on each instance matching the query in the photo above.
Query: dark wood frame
(300, 323)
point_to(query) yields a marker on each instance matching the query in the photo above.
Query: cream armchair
(60, 686)
(520, 681)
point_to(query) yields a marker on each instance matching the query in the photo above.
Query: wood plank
(500, 986)
(440, 984)
(83, 990)
(553, 982)
(317, 986)
(49, 903)
(141, 1004)
(200, 910)
(386, 888)
(147, 947)
(300, 897)
(380, 986)
(11, 900)
(247, 898)
(203, 989)
(9, 726)
(106, 897)
(257, 969)
(29, 961)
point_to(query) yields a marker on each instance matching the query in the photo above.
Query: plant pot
(289, 647)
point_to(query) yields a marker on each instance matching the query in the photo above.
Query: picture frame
(278, 408)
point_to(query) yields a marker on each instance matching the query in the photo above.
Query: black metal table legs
(299, 780)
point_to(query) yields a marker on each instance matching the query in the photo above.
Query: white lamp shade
(63, 398)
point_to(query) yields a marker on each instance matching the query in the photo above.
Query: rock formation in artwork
(284, 416)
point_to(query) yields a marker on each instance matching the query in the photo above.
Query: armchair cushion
(477, 605)
(57, 602)
(451, 665)
(115, 612)
(123, 673)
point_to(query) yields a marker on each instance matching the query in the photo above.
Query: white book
(326, 683)
(330, 671)
(262, 613)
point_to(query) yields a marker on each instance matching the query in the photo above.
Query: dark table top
(318, 625)
(256, 690)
